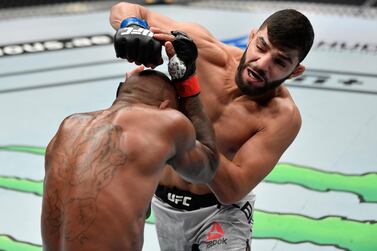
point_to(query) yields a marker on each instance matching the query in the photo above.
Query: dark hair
(290, 29)
(145, 73)
(150, 72)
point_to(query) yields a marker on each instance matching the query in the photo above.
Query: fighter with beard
(254, 117)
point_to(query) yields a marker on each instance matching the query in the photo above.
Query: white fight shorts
(186, 222)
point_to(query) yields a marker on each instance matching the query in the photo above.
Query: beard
(254, 91)
(118, 89)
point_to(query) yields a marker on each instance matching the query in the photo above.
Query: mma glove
(182, 65)
(134, 41)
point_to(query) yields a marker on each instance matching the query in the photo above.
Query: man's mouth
(253, 78)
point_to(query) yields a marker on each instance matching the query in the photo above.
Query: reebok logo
(215, 232)
(215, 236)
(222, 241)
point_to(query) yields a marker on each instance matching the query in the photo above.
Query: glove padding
(182, 65)
(134, 42)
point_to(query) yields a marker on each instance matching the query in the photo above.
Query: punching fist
(182, 65)
(134, 41)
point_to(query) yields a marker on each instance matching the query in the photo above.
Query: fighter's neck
(261, 99)
(264, 98)
(130, 102)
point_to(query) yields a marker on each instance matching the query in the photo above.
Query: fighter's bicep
(210, 49)
(259, 155)
(123, 10)
(158, 20)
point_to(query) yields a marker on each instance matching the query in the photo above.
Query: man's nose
(264, 62)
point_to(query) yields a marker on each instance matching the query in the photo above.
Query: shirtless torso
(254, 117)
(100, 162)
(251, 133)
(102, 168)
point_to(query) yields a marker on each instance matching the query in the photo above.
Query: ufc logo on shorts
(137, 31)
(177, 199)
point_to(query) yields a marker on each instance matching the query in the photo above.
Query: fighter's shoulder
(73, 120)
(177, 120)
(286, 112)
(68, 126)
(178, 125)
(181, 131)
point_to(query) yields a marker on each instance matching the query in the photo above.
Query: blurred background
(57, 58)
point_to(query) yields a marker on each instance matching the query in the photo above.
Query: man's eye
(260, 48)
(280, 62)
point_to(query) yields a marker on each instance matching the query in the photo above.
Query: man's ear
(252, 34)
(164, 104)
(297, 71)
(133, 72)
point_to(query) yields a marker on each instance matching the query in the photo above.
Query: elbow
(228, 198)
(213, 164)
(206, 175)
(229, 195)
(206, 171)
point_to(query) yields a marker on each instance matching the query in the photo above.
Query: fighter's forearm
(228, 185)
(122, 10)
(193, 109)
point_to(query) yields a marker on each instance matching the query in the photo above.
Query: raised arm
(133, 39)
(128, 45)
(199, 164)
(256, 158)
(123, 10)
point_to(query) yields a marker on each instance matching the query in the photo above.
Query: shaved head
(150, 86)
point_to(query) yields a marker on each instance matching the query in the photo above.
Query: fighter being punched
(253, 114)
(103, 167)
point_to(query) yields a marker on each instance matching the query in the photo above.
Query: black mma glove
(134, 41)
(182, 65)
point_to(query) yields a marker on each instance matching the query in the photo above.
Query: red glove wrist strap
(189, 87)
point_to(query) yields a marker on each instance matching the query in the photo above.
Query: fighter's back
(102, 169)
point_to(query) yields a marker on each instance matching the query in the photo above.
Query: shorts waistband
(185, 200)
